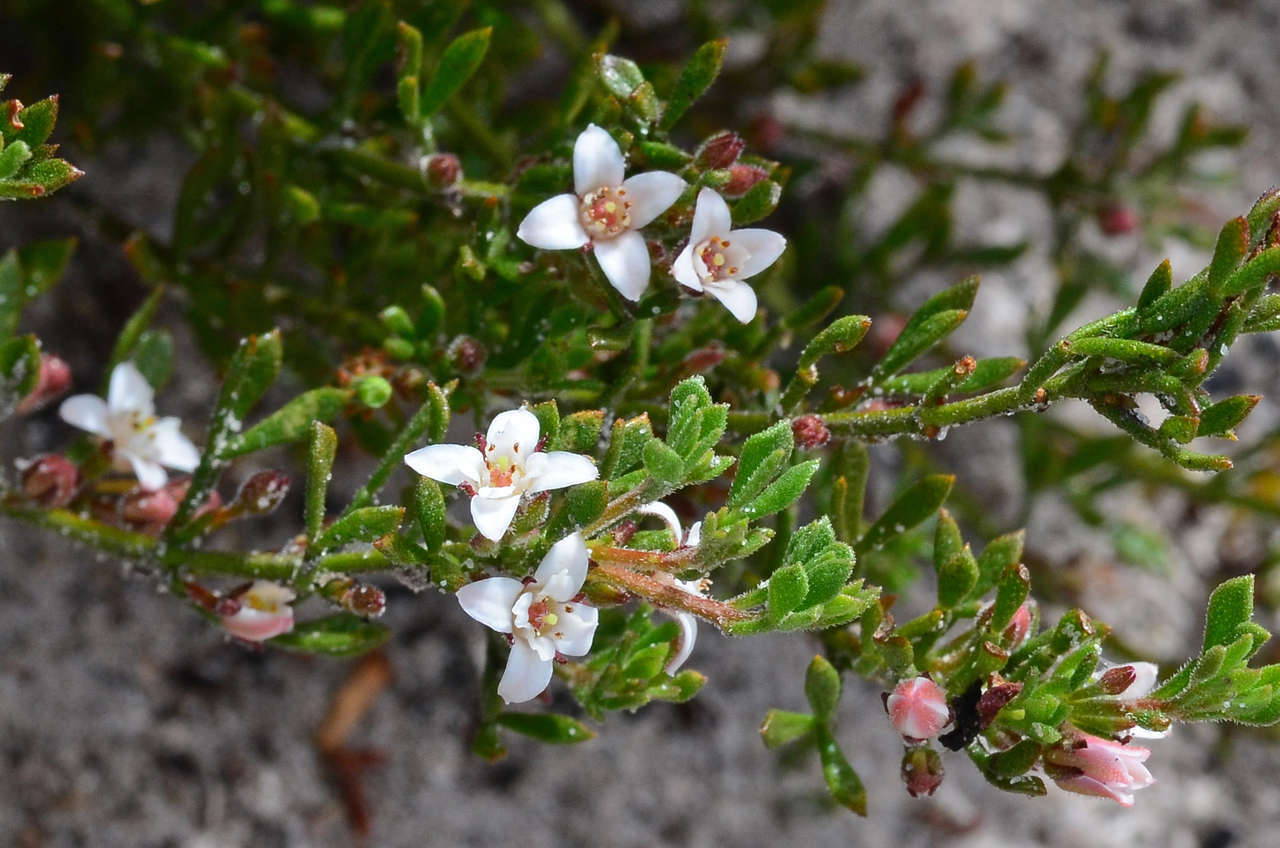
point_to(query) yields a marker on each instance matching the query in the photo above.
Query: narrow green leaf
(580, 432)
(133, 329)
(956, 578)
(787, 589)
(322, 449)
(1233, 244)
(1011, 591)
(759, 202)
(361, 525)
(997, 557)
(783, 726)
(37, 121)
(662, 463)
(429, 510)
(920, 501)
(1159, 283)
(763, 456)
(547, 727)
(947, 541)
(1230, 607)
(291, 422)
(784, 491)
(341, 635)
(1223, 417)
(918, 339)
(620, 76)
(841, 335)
(460, 60)
(13, 157)
(626, 446)
(842, 781)
(695, 79)
(822, 688)
(1253, 274)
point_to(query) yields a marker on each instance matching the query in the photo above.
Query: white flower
(139, 440)
(263, 612)
(718, 258)
(542, 617)
(605, 211)
(688, 621)
(509, 467)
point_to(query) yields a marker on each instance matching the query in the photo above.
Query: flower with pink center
(1090, 765)
(258, 613)
(918, 709)
(542, 617)
(140, 441)
(507, 467)
(718, 258)
(605, 210)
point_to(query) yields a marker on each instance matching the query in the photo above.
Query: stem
(667, 594)
(645, 561)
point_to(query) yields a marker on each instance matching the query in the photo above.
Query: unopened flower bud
(466, 354)
(918, 709)
(994, 700)
(720, 150)
(1019, 627)
(1115, 680)
(152, 510)
(742, 178)
(261, 493)
(922, 771)
(442, 170)
(703, 359)
(1117, 219)
(363, 599)
(50, 480)
(373, 391)
(54, 380)
(810, 431)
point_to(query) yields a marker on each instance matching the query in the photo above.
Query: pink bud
(50, 480)
(1089, 765)
(922, 771)
(363, 599)
(918, 709)
(261, 493)
(152, 510)
(466, 354)
(1117, 220)
(1019, 627)
(720, 150)
(993, 700)
(743, 177)
(443, 170)
(54, 380)
(263, 612)
(810, 431)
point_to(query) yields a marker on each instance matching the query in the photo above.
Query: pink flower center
(605, 212)
(541, 617)
(714, 260)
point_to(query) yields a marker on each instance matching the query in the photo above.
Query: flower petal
(527, 674)
(1144, 680)
(668, 516)
(651, 194)
(684, 642)
(1084, 785)
(151, 475)
(172, 449)
(254, 625)
(512, 434)
(738, 297)
(492, 516)
(569, 555)
(575, 630)
(554, 225)
(684, 272)
(88, 412)
(452, 464)
(597, 161)
(711, 217)
(130, 391)
(762, 247)
(625, 261)
(558, 469)
(489, 601)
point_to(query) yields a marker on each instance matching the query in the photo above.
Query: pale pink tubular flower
(605, 210)
(140, 441)
(259, 613)
(541, 617)
(510, 467)
(718, 258)
(918, 709)
(1091, 765)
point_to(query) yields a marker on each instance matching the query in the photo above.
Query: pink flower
(1091, 765)
(54, 380)
(918, 709)
(259, 613)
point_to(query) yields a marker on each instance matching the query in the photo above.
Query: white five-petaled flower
(261, 612)
(718, 258)
(139, 440)
(507, 466)
(605, 211)
(688, 621)
(541, 616)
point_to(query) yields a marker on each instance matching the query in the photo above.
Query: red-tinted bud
(742, 178)
(703, 359)
(368, 601)
(466, 354)
(922, 771)
(994, 699)
(50, 480)
(54, 380)
(810, 431)
(1116, 680)
(1117, 220)
(1019, 628)
(442, 170)
(151, 510)
(720, 150)
(261, 493)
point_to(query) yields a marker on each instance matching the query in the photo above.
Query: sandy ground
(122, 723)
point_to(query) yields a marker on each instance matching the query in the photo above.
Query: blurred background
(1054, 147)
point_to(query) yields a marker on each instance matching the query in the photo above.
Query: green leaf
(1222, 417)
(37, 121)
(322, 448)
(1233, 244)
(460, 60)
(787, 589)
(361, 525)
(660, 155)
(626, 446)
(827, 575)
(547, 727)
(291, 422)
(986, 373)
(848, 490)
(822, 688)
(19, 369)
(947, 541)
(1011, 591)
(956, 578)
(408, 87)
(842, 781)
(12, 158)
(1253, 274)
(580, 432)
(841, 335)
(759, 202)
(431, 419)
(1158, 284)
(341, 635)
(662, 463)
(1000, 554)
(920, 501)
(763, 456)
(620, 76)
(133, 329)
(782, 726)
(695, 79)
(429, 510)
(548, 416)
(918, 339)
(784, 491)
(1230, 608)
